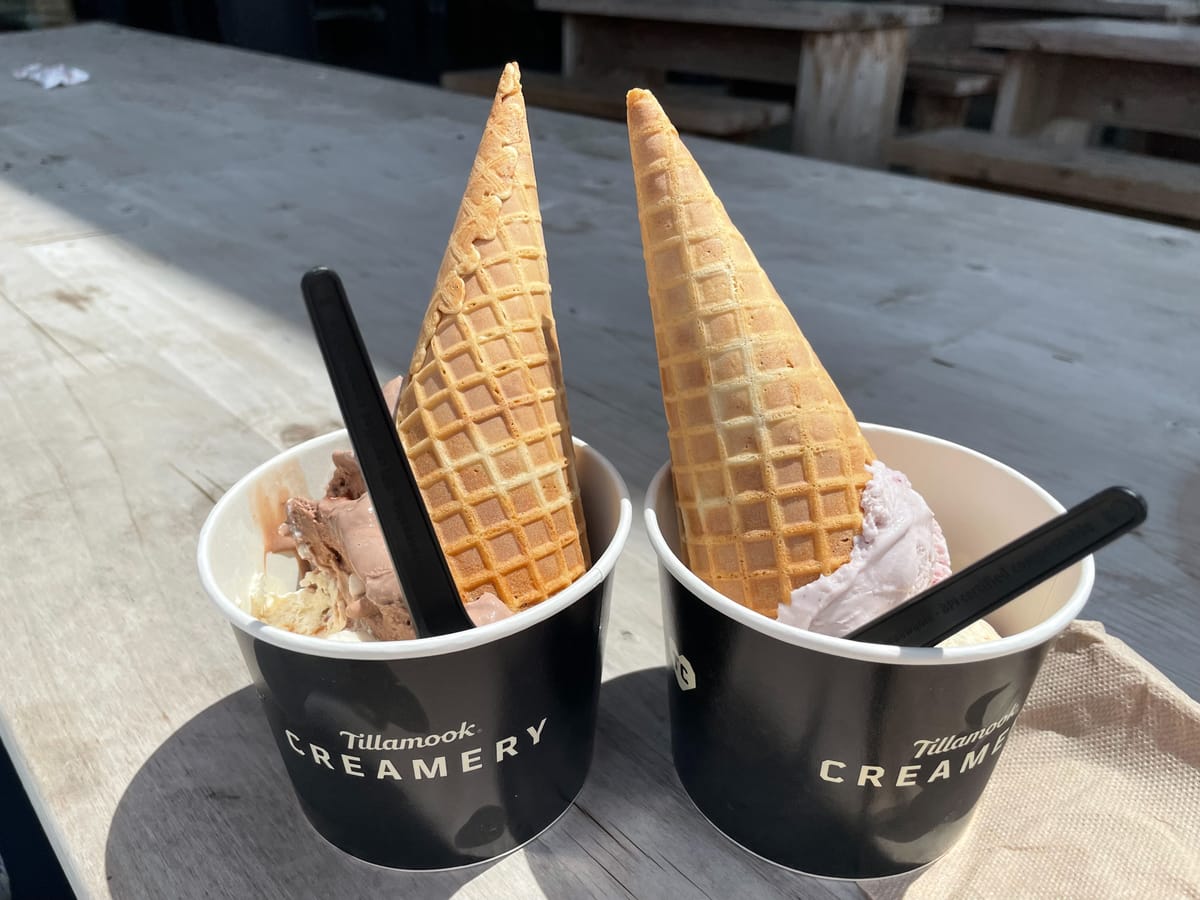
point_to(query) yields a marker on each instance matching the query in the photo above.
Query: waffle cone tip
(503, 150)
(637, 95)
(506, 122)
(510, 80)
(643, 112)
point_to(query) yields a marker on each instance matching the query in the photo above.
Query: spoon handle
(951, 605)
(433, 600)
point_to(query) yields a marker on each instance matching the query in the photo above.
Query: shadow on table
(633, 832)
(240, 171)
(214, 808)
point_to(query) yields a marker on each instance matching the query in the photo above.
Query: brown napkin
(1097, 793)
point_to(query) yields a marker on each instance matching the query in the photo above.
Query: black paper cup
(431, 753)
(844, 759)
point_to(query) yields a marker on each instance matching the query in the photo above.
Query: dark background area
(411, 39)
(33, 870)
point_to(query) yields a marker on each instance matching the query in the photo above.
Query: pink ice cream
(900, 552)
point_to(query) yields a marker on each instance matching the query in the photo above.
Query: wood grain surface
(1127, 9)
(1108, 178)
(1163, 43)
(797, 15)
(154, 224)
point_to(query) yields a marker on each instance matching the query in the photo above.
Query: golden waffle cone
(768, 460)
(482, 413)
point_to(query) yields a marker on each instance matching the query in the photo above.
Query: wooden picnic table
(1143, 75)
(846, 60)
(1063, 80)
(1129, 9)
(154, 225)
(949, 43)
(946, 70)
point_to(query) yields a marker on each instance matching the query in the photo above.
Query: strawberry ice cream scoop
(900, 552)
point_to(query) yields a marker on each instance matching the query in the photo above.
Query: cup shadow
(633, 832)
(214, 807)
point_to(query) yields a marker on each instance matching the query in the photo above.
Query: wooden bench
(949, 44)
(844, 60)
(692, 110)
(1166, 10)
(1163, 42)
(958, 60)
(1109, 179)
(1140, 75)
(1063, 80)
(941, 96)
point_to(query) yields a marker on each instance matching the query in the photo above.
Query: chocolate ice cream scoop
(340, 534)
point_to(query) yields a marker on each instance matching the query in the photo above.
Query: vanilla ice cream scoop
(900, 552)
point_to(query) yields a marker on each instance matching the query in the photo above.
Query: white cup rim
(416, 648)
(859, 650)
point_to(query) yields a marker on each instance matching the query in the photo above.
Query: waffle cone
(482, 413)
(767, 459)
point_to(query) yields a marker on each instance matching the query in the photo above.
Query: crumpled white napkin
(50, 76)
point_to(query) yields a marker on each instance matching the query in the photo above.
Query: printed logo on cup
(685, 675)
(886, 762)
(452, 758)
(366, 755)
(978, 745)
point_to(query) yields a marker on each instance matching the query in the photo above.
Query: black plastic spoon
(982, 587)
(429, 589)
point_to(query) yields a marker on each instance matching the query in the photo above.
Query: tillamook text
(415, 768)
(926, 772)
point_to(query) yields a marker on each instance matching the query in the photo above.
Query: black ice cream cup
(432, 753)
(846, 759)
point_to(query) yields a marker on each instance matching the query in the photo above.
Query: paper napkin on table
(1097, 794)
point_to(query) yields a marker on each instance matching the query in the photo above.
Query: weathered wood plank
(948, 82)
(848, 95)
(1145, 96)
(1150, 42)
(848, 82)
(1029, 93)
(1038, 88)
(941, 97)
(600, 46)
(1128, 9)
(691, 110)
(793, 15)
(1108, 177)
(965, 60)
